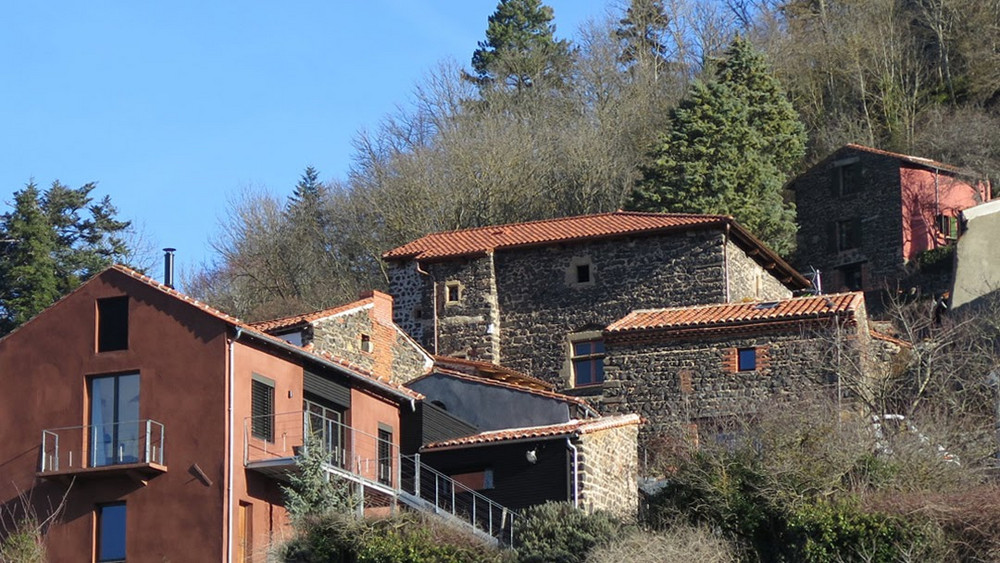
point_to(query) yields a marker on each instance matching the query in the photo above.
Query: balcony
(374, 467)
(133, 449)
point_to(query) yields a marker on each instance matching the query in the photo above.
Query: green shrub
(556, 532)
(23, 544)
(339, 538)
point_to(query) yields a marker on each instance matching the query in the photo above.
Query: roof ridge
(506, 385)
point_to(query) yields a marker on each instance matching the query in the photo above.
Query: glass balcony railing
(79, 448)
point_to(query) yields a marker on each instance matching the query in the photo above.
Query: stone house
(865, 214)
(536, 296)
(361, 333)
(697, 367)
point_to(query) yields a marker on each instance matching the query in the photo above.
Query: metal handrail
(146, 446)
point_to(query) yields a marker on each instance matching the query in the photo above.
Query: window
(111, 532)
(474, 480)
(384, 454)
(262, 408)
(852, 276)
(583, 273)
(588, 362)
(580, 273)
(326, 426)
(948, 226)
(847, 178)
(112, 324)
(366, 343)
(746, 359)
(452, 292)
(848, 233)
(114, 419)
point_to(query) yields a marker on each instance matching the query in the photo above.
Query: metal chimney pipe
(168, 267)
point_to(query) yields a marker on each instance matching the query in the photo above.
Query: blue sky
(174, 107)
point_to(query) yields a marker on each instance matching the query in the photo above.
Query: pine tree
(309, 189)
(520, 50)
(50, 243)
(641, 34)
(731, 145)
(312, 490)
(28, 280)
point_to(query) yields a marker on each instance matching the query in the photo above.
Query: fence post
(416, 475)
(149, 427)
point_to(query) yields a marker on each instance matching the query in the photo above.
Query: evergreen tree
(731, 145)
(641, 34)
(28, 281)
(309, 189)
(50, 243)
(312, 490)
(520, 50)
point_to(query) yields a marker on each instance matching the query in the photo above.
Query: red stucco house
(165, 423)
(865, 214)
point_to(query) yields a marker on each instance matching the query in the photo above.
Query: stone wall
(749, 281)
(390, 355)
(878, 206)
(408, 311)
(672, 382)
(609, 470)
(541, 305)
(466, 326)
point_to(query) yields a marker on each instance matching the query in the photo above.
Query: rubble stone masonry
(609, 470)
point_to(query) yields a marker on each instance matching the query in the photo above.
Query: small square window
(111, 532)
(583, 273)
(746, 359)
(112, 324)
(452, 292)
(366, 343)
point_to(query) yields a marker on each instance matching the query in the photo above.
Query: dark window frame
(849, 235)
(112, 323)
(592, 357)
(746, 359)
(583, 273)
(262, 408)
(385, 446)
(847, 178)
(100, 543)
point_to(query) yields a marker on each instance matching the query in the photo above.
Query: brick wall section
(609, 470)
(878, 205)
(672, 381)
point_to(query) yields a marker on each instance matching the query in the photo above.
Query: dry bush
(969, 520)
(679, 543)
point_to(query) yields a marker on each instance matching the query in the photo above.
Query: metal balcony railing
(371, 461)
(96, 446)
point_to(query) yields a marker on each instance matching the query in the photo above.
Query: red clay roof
(353, 369)
(482, 240)
(573, 427)
(925, 162)
(736, 314)
(886, 338)
(294, 320)
(496, 372)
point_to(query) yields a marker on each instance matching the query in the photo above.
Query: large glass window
(114, 419)
(588, 362)
(111, 532)
(326, 427)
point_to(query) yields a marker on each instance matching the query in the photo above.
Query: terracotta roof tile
(355, 370)
(482, 240)
(573, 427)
(485, 239)
(294, 320)
(886, 338)
(735, 314)
(926, 162)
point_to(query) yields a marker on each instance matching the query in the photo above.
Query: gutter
(575, 471)
(230, 457)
